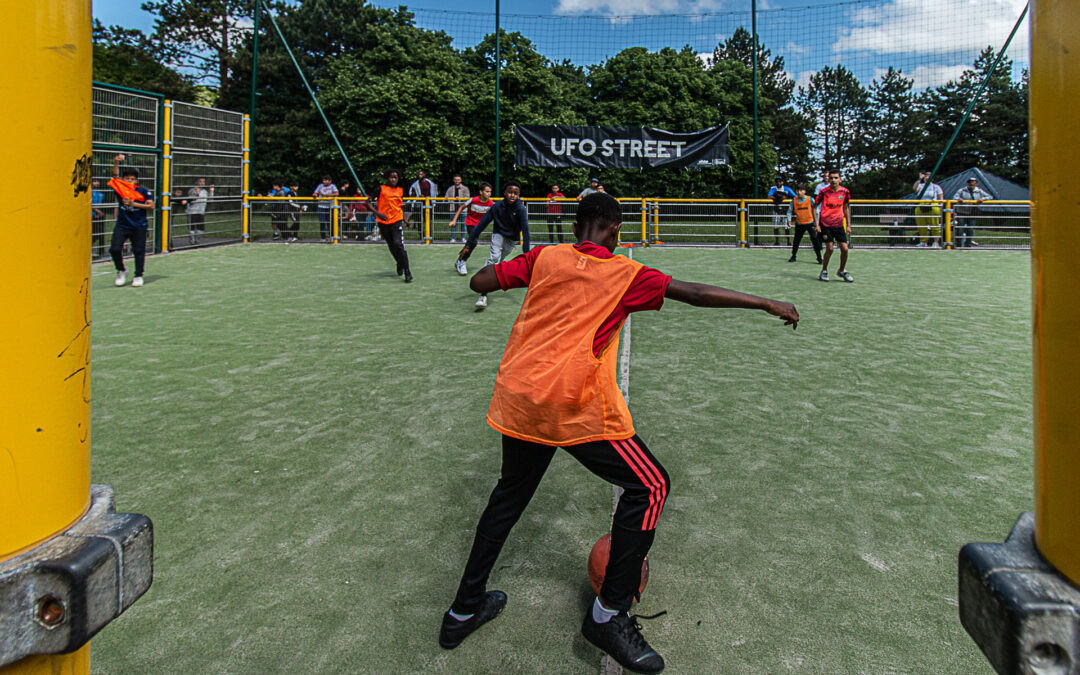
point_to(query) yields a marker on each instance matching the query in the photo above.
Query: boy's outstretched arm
(704, 295)
(485, 281)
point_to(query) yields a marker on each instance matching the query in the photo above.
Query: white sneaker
(460, 267)
(452, 240)
(136, 282)
(481, 302)
(824, 276)
(843, 274)
(121, 278)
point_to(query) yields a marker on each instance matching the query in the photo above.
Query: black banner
(618, 147)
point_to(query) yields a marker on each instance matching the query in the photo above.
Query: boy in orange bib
(385, 203)
(557, 387)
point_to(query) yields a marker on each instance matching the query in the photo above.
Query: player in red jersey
(834, 217)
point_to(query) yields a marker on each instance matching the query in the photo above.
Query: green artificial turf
(307, 434)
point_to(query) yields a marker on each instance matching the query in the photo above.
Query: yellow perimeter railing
(737, 223)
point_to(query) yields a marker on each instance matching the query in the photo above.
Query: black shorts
(834, 234)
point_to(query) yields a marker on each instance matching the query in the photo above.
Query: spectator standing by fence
(781, 195)
(928, 216)
(554, 214)
(421, 187)
(279, 211)
(594, 183)
(460, 194)
(965, 215)
(295, 209)
(325, 192)
(195, 206)
(97, 216)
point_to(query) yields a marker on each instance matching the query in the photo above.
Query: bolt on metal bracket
(58, 595)
(1022, 612)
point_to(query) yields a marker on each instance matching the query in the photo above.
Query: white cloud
(933, 75)
(802, 79)
(627, 8)
(933, 26)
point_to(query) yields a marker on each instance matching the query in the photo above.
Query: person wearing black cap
(593, 184)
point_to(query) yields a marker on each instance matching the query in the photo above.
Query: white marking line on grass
(874, 562)
(608, 665)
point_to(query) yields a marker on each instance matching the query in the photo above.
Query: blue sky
(932, 41)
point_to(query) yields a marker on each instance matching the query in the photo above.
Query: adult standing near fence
(965, 215)
(594, 183)
(928, 216)
(458, 192)
(421, 187)
(195, 206)
(554, 214)
(325, 193)
(781, 196)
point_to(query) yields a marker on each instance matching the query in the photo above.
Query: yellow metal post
(245, 225)
(166, 179)
(1055, 91)
(335, 221)
(742, 225)
(947, 234)
(644, 222)
(427, 221)
(45, 393)
(656, 223)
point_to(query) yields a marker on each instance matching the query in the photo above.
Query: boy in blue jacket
(511, 220)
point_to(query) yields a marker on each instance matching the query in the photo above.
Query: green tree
(200, 36)
(995, 136)
(891, 143)
(125, 56)
(836, 103)
(787, 128)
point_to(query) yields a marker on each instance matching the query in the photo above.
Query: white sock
(460, 617)
(601, 614)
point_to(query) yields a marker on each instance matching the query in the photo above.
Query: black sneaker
(454, 632)
(621, 639)
(400, 270)
(791, 259)
(408, 276)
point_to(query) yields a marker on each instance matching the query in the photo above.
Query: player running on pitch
(477, 206)
(834, 212)
(511, 220)
(385, 203)
(556, 387)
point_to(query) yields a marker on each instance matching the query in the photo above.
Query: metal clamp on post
(55, 597)
(1023, 614)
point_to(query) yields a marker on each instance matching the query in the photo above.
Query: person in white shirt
(928, 216)
(965, 215)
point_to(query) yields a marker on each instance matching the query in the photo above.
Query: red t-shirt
(832, 203)
(555, 208)
(476, 209)
(646, 291)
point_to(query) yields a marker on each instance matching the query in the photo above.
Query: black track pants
(627, 463)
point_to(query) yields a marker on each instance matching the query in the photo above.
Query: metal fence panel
(205, 129)
(694, 222)
(124, 118)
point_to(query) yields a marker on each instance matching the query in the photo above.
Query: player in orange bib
(386, 204)
(556, 387)
(805, 217)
